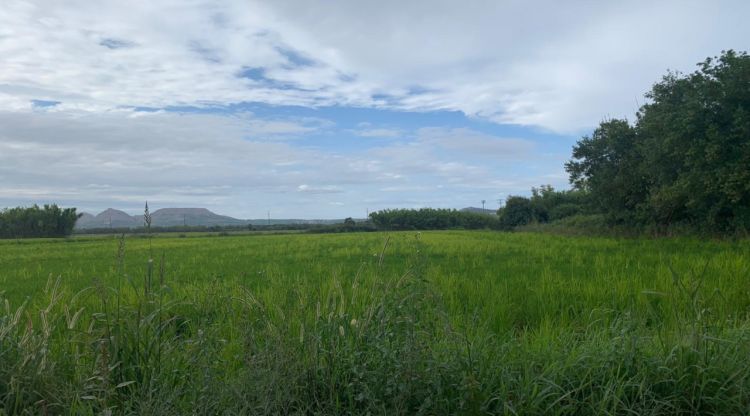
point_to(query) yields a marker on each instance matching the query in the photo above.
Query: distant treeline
(27, 222)
(197, 228)
(683, 165)
(348, 225)
(398, 219)
(431, 219)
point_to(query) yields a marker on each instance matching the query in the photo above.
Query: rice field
(449, 322)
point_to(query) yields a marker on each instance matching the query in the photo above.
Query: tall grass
(396, 331)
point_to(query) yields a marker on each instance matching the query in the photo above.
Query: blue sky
(323, 110)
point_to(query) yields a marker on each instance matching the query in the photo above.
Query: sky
(324, 109)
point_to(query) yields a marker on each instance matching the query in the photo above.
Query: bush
(563, 211)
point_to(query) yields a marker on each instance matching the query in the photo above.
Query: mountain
(116, 219)
(166, 217)
(476, 210)
(170, 217)
(109, 218)
(86, 220)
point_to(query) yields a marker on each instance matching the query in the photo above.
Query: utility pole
(184, 220)
(483, 201)
(269, 218)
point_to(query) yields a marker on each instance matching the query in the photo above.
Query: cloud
(196, 158)
(234, 165)
(115, 43)
(558, 67)
(112, 103)
(319, 189)
(379, 133)
(474, 143)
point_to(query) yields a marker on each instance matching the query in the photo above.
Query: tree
(517, 211)
(607, 165)
(687, 158)
(695, 137)
(49, 221)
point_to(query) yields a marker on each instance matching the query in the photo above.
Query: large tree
(517, 211)
(607, 165)
(696, 144)
(687, 158)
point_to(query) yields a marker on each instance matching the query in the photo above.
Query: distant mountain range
(170, 217)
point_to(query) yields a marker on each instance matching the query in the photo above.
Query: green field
(400, 323)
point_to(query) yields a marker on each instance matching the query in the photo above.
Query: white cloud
(558, 66)
(379, 133)
(228, 163)
(325, 189)
(474, 143)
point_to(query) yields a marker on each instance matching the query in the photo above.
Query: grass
(405, 323)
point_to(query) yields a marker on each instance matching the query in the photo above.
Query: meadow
(444, 322)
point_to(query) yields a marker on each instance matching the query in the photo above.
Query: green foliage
(431, 219)
(547, 204)
(49, 221)
(517, 211)
(432, 323)
(696, 145)
(564, 210)
(607, 167)
(686, 160)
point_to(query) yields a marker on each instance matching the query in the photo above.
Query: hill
(170, 217)
(109, 218)
(175, 217)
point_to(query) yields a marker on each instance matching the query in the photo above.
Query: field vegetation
(444, 322)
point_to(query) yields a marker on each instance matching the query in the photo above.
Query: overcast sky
(326, 109)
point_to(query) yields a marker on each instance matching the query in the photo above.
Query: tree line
(684, 164)
(35, 221)
(431, 219)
